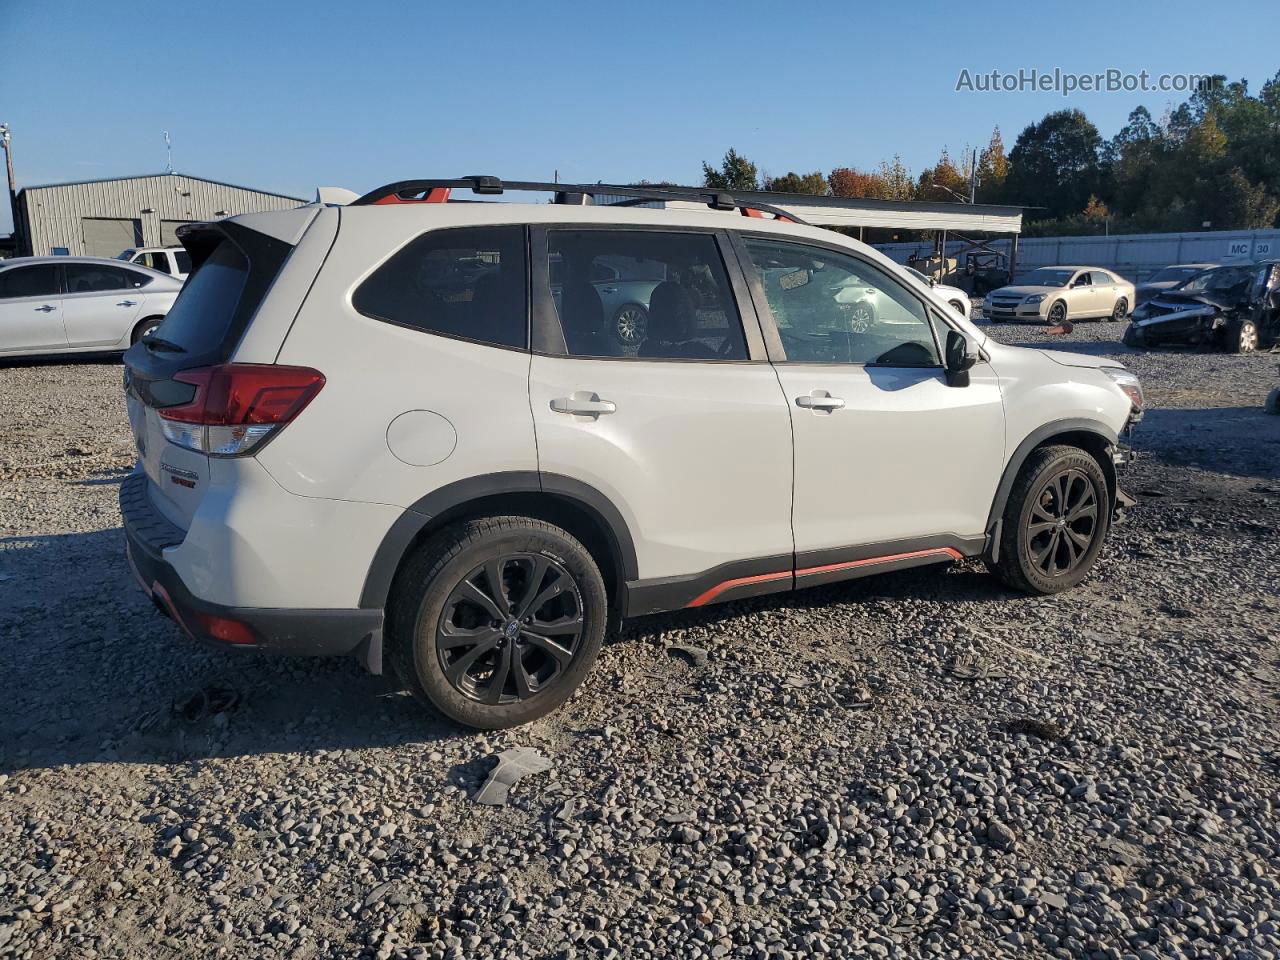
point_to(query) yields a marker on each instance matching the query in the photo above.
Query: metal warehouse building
(99, 218)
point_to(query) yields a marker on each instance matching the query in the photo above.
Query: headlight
(1128, 383)
(1034, 298)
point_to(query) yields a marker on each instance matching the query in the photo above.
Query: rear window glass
(467, 283)
(201, 316)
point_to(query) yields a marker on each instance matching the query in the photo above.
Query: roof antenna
(168, 149)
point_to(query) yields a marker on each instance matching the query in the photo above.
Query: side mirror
(958, 359)
(933, 282)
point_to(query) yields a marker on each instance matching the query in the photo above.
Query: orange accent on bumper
(720, 588)
(872, 561)
(705, 598)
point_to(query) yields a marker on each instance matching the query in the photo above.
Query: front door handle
(820, 400)
(45, 309)
(583, 403)
(127, 303)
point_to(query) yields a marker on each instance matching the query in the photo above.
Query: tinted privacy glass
(156, 261)
(643, 294)
(466, 283)
(37, 281)
(202, 314)
(184, 261)
(91, 278)
(832, 308)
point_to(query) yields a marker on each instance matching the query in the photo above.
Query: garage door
(169, 232)
(106, 238)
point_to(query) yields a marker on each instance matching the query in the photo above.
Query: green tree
(814, 183)
(993, 169)
(736, 173)
(897, 179)
(1055, 163)
(944, 181)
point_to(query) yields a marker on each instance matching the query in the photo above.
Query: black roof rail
(437, 191)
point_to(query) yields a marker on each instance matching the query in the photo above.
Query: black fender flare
(1036, 438)
(415, 518)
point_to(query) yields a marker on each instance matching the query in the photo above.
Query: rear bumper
(304, 632)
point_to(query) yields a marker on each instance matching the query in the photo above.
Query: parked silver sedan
(1056, 294)
(79, 304)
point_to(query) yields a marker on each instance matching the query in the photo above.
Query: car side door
(1080, 296)
(31, 308)
(1105, 292)
(893, 464)
(684, 431)
(102, 302)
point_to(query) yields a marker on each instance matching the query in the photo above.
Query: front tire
(1055, 521)
(1057, 314)
(495, 622)
(1133, 337)
(1242, 337)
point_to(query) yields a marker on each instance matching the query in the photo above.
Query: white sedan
(78, 304)
(955, 297)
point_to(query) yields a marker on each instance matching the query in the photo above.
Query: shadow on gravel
(1243, 441)
(77, 360)
(92, 672)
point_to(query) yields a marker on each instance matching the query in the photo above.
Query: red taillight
(227, 630)
(237, 406)
(244, 393)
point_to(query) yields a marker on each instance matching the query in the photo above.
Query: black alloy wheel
(1121, 310)
(1063, 523)
(1057, 313)
(510, 628)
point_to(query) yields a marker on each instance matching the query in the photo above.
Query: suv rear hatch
(171, 376)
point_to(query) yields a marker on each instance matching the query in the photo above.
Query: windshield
(1218, 278)
(1046, 277)
(1174, 274)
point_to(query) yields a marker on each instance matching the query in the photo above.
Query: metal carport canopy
(893, 214)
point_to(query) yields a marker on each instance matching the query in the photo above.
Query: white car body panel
(696, 456)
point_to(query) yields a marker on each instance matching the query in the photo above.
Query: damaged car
(1233, 308)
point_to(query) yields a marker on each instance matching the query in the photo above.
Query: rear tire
(1121, 310)
(144, 327)
(471, 650)
(1054, 523)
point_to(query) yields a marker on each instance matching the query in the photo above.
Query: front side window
(95, 278)
(833, 308)
(1081, 280)
(40, 280)
(468, 283)
(643, 294)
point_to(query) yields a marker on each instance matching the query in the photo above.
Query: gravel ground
(920, 764)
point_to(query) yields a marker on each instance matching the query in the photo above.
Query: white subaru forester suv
(401, 429)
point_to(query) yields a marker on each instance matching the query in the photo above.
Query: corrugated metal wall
(52, 216)
(1134, 256)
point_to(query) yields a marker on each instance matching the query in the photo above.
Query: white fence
(1135, 256)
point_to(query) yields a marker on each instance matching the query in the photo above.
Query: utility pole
(973, 175)
(5, 140)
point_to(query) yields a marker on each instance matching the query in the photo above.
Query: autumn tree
(848, 182)
(897, 179)
(993, 168)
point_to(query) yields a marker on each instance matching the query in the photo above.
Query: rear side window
(92, 278)
(37, 281)
(183, 260)
(199, 319)
(643, 294)
(468, 283)
(154, 260)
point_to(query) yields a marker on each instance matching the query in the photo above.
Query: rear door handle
(127, 303)
(583, 403)
(45, 309)
(819, 400)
